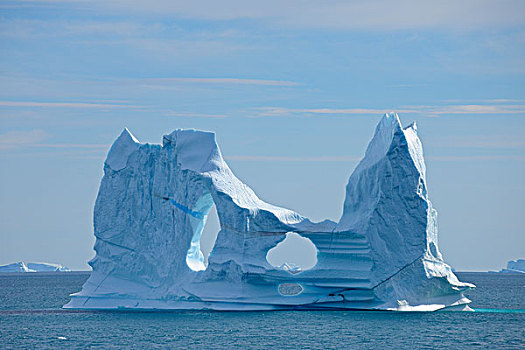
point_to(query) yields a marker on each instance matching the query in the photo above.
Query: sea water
(31, 317)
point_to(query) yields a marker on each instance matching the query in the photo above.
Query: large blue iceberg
(154, 201)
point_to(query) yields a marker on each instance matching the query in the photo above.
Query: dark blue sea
(31, 318)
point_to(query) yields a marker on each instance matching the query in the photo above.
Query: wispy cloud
(479, 141)
(65, 104)
(192, 115)
(477, 158)
(35, 138)
(109, 85)
(487, 101)
(424, 110)
(293, 158)
(235, 81)
(64, 153)
(26, 28)
(351, 159)
(297, 112)
(71, 145)
(430, 111)
(338, 14)
(21, 138)
(471, 109)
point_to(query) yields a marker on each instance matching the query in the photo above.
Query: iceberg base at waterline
(154, 201)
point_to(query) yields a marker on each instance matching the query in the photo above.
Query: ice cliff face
(154, 201)
(387, 202)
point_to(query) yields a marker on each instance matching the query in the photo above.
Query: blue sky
(293, 92)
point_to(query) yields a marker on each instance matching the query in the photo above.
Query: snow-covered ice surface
(33, 267)
(154, 200)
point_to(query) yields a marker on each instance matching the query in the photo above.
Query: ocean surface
(31, 318)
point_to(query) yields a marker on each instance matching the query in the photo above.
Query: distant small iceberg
(517, 266)
(33, 267)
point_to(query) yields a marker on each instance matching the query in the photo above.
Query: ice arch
(294, 254)
(382, 254)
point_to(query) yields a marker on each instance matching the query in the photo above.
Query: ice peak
(390, 120)
(121, 149)
(128, 135)
(382, 140)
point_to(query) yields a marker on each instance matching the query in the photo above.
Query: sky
(293, 90)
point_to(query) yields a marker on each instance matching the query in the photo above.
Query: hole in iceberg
(293, 254)
(205, 230)
(209, 234)
(290, 289)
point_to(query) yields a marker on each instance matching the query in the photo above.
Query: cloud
(349, 159)
(28, 84)
(26, 28)
(488, 101)
(333, 14)
(479, 141)
(290, 112)
(293, 159)
(65, 104)
(72, 145)
(12, 139)
(34, 138)
(64, 153)
(477, 158)
(192, 115)
(235, 81)
(429, 111)
(471, 109)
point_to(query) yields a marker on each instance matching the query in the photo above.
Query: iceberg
(154, 201)
(33, 267)
(517, 266)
